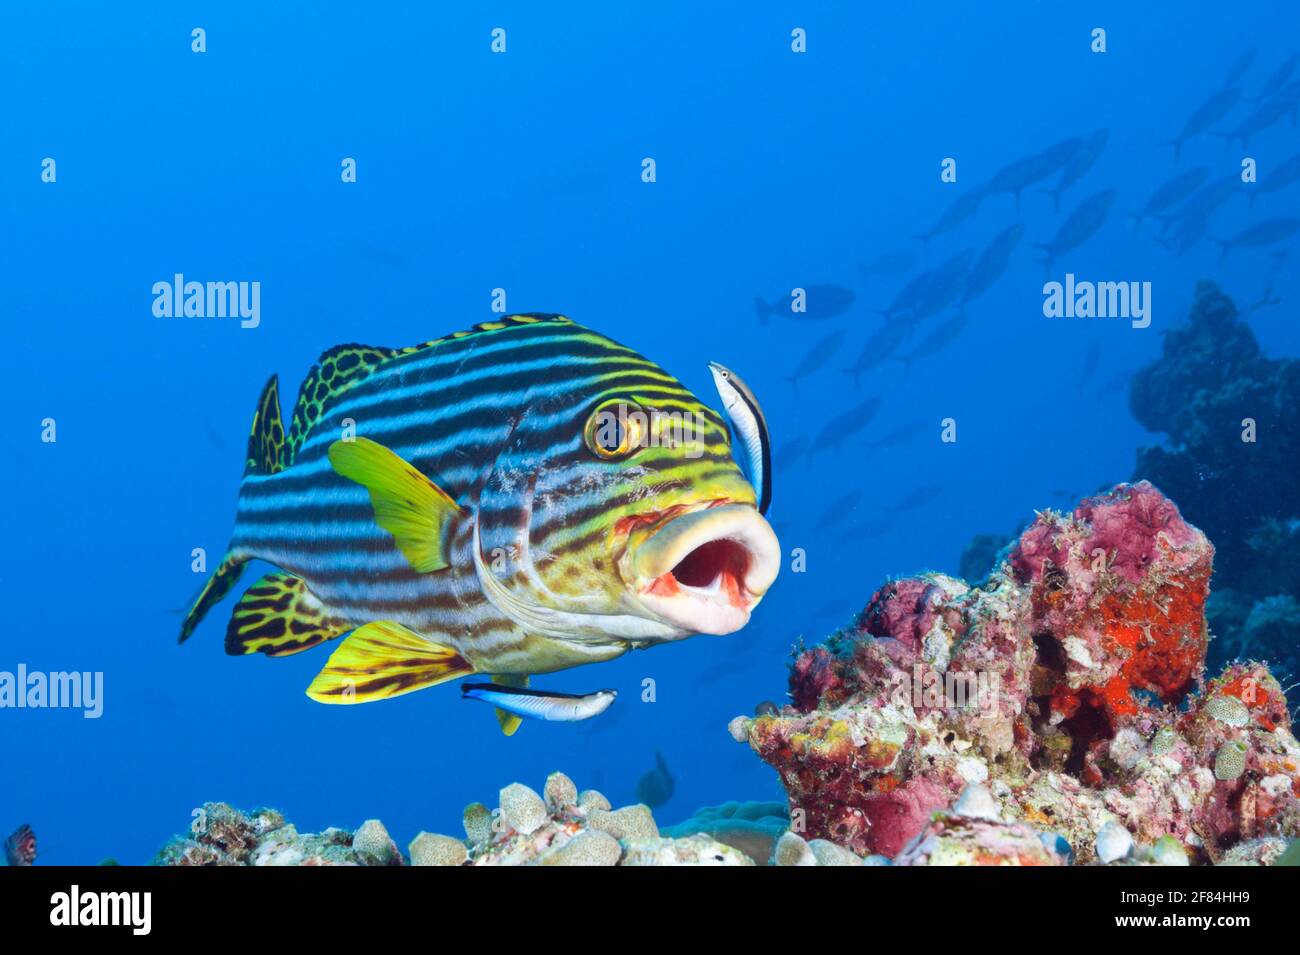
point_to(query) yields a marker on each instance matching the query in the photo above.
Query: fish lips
(705, 570)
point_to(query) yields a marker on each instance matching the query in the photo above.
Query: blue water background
(522, 171)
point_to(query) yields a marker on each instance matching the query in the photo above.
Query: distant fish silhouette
(817, 357)
(1239, 67)
(841, 508)
(957, 213)
(944, 283)
(897, 436)
(1267, 115)
(846, 425)
(1171, 193)
(909, 296)
(789, 453)
(918, 498)
(1267, 300)
(657, 786)
(1190, 231)
(1079, 165)
(993, 261)
(820, 302)
(878, 348)
(888, 263)
(1272, 180)
(939, 339)
(1203, 202)
(1277, 80)
(1219, 105)
(865, 530)
(1262, 233)
(1016, 177)
(214, 438)
(1079, 227)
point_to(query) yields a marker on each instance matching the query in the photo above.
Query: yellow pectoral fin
(509, 721)
(407, 504)
(382, 660)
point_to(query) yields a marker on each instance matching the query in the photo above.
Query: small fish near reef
(538, 705)
(20, 848)
(520, 498)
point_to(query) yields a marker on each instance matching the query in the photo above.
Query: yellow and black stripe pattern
(495, 417)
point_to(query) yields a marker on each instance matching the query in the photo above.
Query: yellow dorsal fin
(382, 660)
(509, 721)
(279, 616)
(407, 504)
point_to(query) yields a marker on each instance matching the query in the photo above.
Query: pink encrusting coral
(1065, 686)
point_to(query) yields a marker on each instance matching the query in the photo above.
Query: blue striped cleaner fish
(553, 707)
(746, 417)
(519, 498)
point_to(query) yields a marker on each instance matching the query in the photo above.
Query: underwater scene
(676, 434)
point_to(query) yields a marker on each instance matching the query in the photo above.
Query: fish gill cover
(369, 352)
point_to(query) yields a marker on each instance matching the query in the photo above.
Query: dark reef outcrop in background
(1211, 378)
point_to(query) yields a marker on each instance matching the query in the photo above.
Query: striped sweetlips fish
(515, 499)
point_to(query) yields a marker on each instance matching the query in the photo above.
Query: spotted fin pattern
(221, 582)
(333, 372)
(266, 437)
(279, 616)
(344, 365)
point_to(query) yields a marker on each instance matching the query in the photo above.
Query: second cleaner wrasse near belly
(516, 499)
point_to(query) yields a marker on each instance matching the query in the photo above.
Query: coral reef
(751, 827)
(1232, 451)
(1058, 713)
(559, 826)
(1054, 713)
(222, 835)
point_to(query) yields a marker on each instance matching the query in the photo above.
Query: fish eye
(615, 429)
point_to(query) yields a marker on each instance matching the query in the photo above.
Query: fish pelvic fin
(221, 582)
(510, 722)
(266, 437)
(279, 616)
(382, 660)
(407, 504)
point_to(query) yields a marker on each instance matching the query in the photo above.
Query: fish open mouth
(705, 569)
